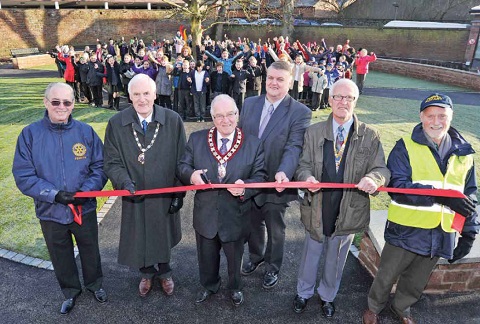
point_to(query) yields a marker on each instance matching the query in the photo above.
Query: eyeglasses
(340, 98)
(229, 115)
(57, 103)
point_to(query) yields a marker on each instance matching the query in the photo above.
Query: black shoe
(100, 295)
(328, 308)
(237, 298)
(270, 279)
(299, 304)
(203, 296)
(67, 306)
(250, 267)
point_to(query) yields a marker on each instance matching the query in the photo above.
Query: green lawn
(21, 104)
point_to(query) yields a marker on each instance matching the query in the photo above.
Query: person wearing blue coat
(56, 157)
(419, 229)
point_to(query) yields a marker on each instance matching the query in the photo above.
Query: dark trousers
(360, 81)
(58, 238)
(252, 93)
(294, 91)
(164, 271)
(324, 100)
(316, 100)
(97, 95)
(200, 104)
(86, 92)
(208, 252)
(269, 217)
(239, 98)
(76, 89)
(184, 102)
(175, 100)
(164, 101)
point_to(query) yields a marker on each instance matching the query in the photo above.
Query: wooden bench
(19, 52)
(24, 58)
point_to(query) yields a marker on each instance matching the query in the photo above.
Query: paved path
(32, 295)
(458, 98)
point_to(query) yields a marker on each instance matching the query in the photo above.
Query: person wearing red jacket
(361, 62)
(69, 74)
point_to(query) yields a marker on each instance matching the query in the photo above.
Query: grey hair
(346, 82)
(60, 85)
(221, 98)
(138, 77)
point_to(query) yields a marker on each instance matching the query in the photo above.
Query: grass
(21, 104)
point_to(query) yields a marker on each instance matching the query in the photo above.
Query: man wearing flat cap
(419, 228)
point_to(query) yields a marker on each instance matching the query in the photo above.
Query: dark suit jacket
(282, 140)
(217, 211)
(225, 81)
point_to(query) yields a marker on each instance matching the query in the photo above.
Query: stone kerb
(465, 79)
(462, 276)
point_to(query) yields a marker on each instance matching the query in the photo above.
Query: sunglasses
(57, 103)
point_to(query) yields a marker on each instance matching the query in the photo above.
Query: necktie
(144, 126)
(340, 139)
(223, 148)
(265, 120)
(222, 168)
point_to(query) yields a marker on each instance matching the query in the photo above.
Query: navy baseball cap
(436, 99)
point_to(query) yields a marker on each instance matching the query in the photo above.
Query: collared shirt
(148, 119)
(346, 127)
(267, 104)
(199, 80)
(229, 143)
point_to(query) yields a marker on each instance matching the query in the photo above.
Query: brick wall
(459, 78)
(409, 43)
(46, 28)
(445, 277)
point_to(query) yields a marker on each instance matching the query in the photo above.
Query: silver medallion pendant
(222, 171)
(141, 158)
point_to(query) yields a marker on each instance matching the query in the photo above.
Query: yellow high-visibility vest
(425, 170)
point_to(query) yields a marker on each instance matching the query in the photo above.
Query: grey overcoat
(148, 231)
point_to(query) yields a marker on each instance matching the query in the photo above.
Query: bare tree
(337, 5)
(441, 11)
(198, 12)
(287, 7)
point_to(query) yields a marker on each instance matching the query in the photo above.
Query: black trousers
(269, 217)
(208, 252)
(97, 95)
(58, 238)
(164, 101)
(164, 271)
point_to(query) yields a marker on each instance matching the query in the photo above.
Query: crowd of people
(187, 84)
(264, 136)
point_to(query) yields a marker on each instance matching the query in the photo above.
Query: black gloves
(464, 246)
(80, 201)
(463, 206)
(175, 205)
(65, 197)
(130, 186)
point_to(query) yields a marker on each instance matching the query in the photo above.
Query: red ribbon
(77, 216)
(457, 225)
